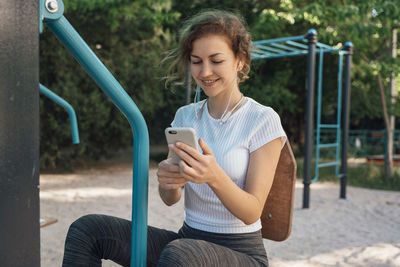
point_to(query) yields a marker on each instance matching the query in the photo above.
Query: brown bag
(276, 218)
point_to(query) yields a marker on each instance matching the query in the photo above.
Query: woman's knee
(100, 237)
(84, 231)
(180, 252)
(84, 224)
(80, 243)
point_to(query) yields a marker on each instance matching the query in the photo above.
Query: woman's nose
(206, 70)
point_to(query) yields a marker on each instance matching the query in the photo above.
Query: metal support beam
(346, 116)
(312, 40)
(19, 134)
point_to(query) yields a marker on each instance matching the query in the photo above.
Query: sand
(363, 230)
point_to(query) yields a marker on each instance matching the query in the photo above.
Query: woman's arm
(170, 182)
(247, 204)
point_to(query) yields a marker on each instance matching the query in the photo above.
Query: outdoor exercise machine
(19, 143)
(51, 11)
(71, 112)
(308, 45)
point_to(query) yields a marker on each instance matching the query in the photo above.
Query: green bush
(360, 175)
(130, 39)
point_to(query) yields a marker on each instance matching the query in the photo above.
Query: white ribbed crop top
(250, 127)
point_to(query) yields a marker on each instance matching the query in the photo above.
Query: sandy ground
(363, 230)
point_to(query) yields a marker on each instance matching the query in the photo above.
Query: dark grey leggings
(95, 237)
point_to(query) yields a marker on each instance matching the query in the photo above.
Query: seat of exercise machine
(276, 218)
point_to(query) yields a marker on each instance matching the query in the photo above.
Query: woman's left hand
(196, 167)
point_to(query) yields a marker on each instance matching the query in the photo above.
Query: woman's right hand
(169, 176)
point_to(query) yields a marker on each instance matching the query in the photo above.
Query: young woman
(225, 184)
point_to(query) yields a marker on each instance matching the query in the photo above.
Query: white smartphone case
(180, 134)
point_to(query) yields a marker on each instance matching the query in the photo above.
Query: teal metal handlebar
(71, 112)
(63, 30)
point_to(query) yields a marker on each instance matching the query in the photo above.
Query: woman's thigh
(95, 237)
(200, 253)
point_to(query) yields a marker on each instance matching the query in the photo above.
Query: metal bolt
(52, 6)
(269, 216)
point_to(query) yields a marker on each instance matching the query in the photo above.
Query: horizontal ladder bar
(328, 164)
(270, 49)
(276, 40)
(255, 56)
(328, 145)
(329, 126)
(286, 47)
(297, 44)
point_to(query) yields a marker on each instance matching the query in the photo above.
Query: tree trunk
(393, 92)
(389, 143)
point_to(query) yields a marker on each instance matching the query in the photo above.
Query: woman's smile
(209, 82)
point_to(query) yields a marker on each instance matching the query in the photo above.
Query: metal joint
(51, 10)
(348, 46)
(51, 6)
(312, 36)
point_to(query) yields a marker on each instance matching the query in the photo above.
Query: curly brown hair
(206, 22)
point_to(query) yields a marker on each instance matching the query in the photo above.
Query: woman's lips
(209, 82)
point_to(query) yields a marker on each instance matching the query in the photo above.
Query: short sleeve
(269, 128)
(178, 119)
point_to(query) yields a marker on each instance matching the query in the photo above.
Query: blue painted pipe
(71, 112)
(99, 73)
(276, 40)
(264, 56)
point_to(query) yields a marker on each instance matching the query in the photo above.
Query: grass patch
(364, 175)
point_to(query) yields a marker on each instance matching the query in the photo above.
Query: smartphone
(180, 134)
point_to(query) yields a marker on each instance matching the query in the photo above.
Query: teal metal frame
(71, 112)
(336, 126)
(288, 47)
(295, 46)
(110, 86)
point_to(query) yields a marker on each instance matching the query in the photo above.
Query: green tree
(129, 37)
(370, 26)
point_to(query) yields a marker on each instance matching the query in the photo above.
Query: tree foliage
(131, 37)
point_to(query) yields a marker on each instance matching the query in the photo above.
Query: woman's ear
(240, 65)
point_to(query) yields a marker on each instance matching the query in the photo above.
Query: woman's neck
(218, 104)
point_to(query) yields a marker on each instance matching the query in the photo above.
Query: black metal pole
(188, 85)
(309, 116)
(19, 134)
(346, 116)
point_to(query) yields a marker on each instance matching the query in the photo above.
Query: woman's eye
(196, 62)
(217, 62)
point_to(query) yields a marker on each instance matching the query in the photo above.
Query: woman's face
(214, 65)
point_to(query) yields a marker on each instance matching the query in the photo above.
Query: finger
(169, 179)
(185, 155)
(172, 181)
(206, 149)
(187, 172)
(166, 180)
(168, 167)
(190, 150)
(162, 173)
(165, 172)
(171, 186)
